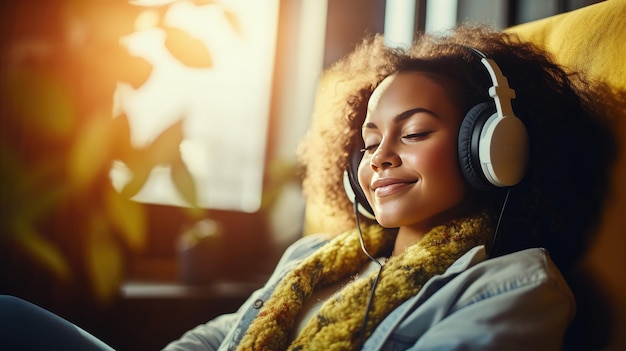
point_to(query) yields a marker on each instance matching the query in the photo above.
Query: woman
(452, 248)
(473, 254)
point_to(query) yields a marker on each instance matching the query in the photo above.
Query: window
(222, 107)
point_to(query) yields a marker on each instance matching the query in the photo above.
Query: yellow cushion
(593, 40)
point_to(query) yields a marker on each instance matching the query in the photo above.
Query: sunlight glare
(146, 20)
(225, 107)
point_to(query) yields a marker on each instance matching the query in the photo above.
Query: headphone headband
(500, 91)
(497, 139)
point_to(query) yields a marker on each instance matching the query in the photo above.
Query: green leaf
(184, 182)
(187, 49)
(90, 153)
(129, 217)
(120, 138)
(104, 259)
(234, 21)
(140, 168)
(41, 250)
(165, 149)
(134, 70)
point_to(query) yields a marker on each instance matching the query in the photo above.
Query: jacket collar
(380, 335)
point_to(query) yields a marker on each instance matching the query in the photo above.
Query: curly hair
(560, 199)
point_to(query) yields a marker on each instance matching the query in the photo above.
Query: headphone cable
(380, 265)
(497, 230)
(374, 284)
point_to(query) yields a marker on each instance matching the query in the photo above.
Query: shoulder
(307, 244)
(303, 247)
(530, 265)
(518, 301)
(516, 275)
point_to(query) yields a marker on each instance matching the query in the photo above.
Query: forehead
(413, 89)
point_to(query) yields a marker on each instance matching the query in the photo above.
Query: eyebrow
(404, 115)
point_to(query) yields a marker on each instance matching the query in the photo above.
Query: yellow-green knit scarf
(337, 324)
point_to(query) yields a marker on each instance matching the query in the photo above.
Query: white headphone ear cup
(355, 193)
(503, 150)
(469, 142)
(353, 188)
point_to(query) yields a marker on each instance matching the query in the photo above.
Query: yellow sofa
(593, 40)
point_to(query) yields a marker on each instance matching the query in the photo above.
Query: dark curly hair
(560, 199)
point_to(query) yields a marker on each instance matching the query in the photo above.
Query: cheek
(443, 162)
(440, 166)
(447, 170)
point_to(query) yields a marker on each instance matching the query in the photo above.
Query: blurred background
(148, 174)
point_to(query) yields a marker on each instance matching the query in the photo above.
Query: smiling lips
(385, 187)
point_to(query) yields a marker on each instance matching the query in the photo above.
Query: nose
(384, 157)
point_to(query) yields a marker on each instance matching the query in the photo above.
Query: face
(410, 170)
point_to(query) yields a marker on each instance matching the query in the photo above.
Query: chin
(386, 222)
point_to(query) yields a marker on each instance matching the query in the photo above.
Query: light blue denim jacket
(514, 302)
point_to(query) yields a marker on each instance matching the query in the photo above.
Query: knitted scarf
(338, 322)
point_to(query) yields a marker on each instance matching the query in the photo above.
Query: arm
(206, 336)
(211, 335)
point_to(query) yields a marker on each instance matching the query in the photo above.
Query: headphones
(492, 143)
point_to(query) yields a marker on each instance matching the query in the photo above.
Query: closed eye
(369, 148)
(417, 136)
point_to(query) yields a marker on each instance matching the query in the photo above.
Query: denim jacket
(515, 302)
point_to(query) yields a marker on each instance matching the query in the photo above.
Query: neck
(410, 235)
(405, 238)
